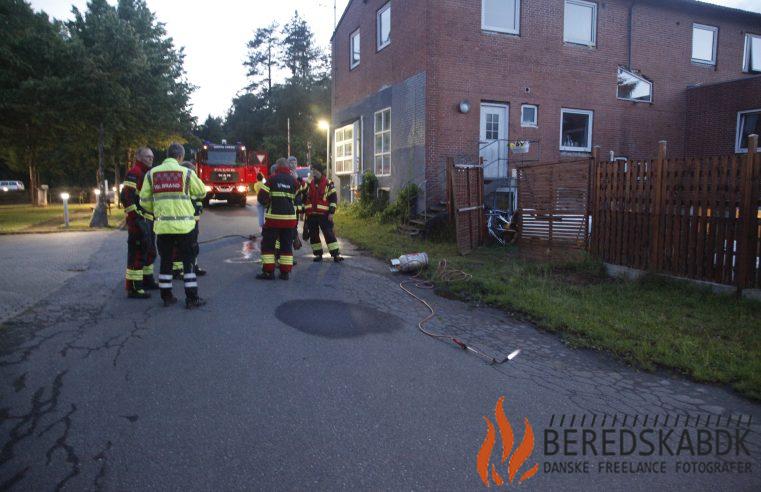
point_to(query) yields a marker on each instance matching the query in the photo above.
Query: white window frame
(715, 31)
(582, 3)
(352, 63)
(639, 77)
(529, 124)
(748, 50)
(590, 127)
(738, 131)
(379, 45)
(380, 133)
(344, 157)
(487, 27)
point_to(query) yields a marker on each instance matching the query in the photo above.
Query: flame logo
(516, 460)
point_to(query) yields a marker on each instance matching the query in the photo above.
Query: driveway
(322, 382)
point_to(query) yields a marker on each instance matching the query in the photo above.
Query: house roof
(676, 3)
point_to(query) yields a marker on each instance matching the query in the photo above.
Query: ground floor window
(383, 142)
(748, 123)
(576, 130)
(344, 138)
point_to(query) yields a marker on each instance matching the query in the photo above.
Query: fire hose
(446, 274)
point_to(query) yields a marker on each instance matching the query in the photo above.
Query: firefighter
(168, 192)
(279, 196)
(141, 245)
(320, 204)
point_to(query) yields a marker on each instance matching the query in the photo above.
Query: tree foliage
(259, 116)
(111, 68)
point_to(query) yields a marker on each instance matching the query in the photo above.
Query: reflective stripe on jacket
(169, 192)
(280, 198)
(321, 197)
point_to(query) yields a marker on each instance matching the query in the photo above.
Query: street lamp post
(65, 198)
(324, 125)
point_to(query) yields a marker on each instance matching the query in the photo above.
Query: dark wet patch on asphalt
(336, 319)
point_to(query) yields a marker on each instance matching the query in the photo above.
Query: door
(493, 140)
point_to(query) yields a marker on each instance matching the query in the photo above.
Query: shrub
(404, 207)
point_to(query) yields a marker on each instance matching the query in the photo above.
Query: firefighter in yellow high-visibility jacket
(169, 192)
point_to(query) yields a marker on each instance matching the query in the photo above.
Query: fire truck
(228, 171)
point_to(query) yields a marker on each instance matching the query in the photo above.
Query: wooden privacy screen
(694, 218)
(552, 199)
(465, 190)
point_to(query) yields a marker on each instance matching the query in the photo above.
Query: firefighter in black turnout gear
(280, 220)
(320, 204)
(141, 242)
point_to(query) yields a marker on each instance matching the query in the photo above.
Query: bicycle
(499, 226)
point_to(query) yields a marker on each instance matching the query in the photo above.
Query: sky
(215, 33)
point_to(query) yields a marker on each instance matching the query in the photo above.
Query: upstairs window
(576, 130)
(580, 24)
(383, 26)
(501, 16)
(383, 142)
(354, 48)
(704, 44)
(748, 123)
(529, 114)
(632, 87)
(752, 54)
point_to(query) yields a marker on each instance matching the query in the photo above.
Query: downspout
(631, 17)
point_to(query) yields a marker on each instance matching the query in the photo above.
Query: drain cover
(335, 319)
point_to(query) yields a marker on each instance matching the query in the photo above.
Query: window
(529, 114)
(383, 26)
(748, 123)
(354, 48)
(752, 54)
(632, 87)
(704, 44)
(576, 130)
(383, 142)
(580, 22)
(501, 16)
(345, 150)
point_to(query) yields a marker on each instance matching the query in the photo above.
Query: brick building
(415, 81)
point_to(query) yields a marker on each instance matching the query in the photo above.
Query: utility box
(42, 195)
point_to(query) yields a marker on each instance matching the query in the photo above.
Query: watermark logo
(514, 459)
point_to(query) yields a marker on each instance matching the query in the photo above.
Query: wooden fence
(693, 218)
(552, 200)
(465, 199)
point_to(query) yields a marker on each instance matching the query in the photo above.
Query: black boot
(266, 276)
(168, 301)
(195, 302)
(138, 294)
(318, 258)
(199, 271)
(284, 275)
(338, 258)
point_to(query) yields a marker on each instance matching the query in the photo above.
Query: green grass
(651, 323)
(26, 218)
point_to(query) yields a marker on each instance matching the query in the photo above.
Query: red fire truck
(228, 171)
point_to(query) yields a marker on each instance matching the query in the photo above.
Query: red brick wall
(406, 56)
(481, 66)
(712, 115)
(444, 39)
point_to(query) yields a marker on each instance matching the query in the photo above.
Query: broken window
(633, 87)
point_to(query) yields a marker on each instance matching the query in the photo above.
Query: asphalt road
(322, 382)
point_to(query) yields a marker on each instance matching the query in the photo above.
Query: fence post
(592, 189)
(449, 189)
(656, 255)
(748, 214)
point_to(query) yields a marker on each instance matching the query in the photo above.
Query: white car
(11, 186)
